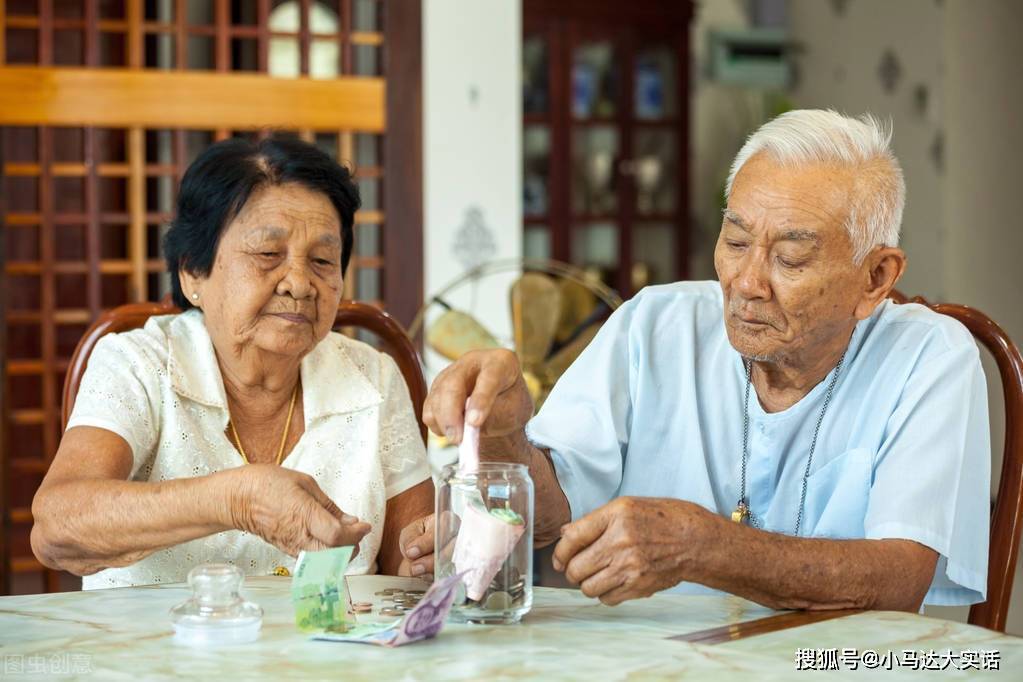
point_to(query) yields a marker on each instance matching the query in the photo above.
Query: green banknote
(319, 592)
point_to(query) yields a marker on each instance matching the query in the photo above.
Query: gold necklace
(284, 438)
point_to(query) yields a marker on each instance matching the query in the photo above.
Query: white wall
(721, 116)
(982, 201)
(472, 130)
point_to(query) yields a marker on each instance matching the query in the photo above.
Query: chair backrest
(349, 314)
(1007, 515)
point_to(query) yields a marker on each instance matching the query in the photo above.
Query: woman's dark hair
(219, 182)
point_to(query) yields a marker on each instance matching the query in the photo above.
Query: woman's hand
(417, 544)
(289, 510)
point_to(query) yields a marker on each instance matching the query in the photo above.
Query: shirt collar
(332, 382)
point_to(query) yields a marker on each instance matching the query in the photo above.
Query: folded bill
(486, 537)
(319, 592)
(422, 622)
(485, 540)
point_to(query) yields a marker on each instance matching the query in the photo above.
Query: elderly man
(787, 434)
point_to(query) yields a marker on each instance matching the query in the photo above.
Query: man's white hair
(811, 136)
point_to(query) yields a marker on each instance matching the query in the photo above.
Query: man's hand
(499, 404)
(492, 381)
(632, 547)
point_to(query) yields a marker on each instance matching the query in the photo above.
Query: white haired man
(855, 473)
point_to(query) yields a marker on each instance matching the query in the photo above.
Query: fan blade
(577, 302)
(556, 365)
(536, 306)
(455, 333)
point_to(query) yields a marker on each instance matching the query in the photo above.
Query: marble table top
(126, 634)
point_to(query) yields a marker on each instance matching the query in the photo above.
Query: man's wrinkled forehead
(790, 198)
(785, 233)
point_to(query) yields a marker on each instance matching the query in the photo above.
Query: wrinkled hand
(417, 542)
(492, 381)
(632, 547)
(289, 510)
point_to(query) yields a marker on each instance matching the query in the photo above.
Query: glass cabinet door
(595, 143)
(603, 149)
(536, 146)
(654, 165)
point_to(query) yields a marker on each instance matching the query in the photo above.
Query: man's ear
(882, 269)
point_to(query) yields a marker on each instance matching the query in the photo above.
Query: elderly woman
(241, 430)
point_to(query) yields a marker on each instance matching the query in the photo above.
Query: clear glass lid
(216, 611)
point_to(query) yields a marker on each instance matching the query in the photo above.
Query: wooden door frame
(5, 521)
(403, 159)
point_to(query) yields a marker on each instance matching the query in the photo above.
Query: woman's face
(276, 280)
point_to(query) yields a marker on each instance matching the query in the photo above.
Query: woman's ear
(190, 287)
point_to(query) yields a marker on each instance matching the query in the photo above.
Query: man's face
(785, 260)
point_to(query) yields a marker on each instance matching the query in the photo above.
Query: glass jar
(485, 533)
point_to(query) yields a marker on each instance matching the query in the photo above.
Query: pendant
(741, 513)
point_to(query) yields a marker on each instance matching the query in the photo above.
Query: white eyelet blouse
(160, 389)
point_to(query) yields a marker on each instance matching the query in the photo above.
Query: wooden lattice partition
(103, 105)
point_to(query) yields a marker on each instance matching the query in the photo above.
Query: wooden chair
(1007, 515)
(349, 314)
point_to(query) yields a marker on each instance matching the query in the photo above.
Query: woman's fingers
(416, 539)
(416, 543)
(336, 529)
(332, 531)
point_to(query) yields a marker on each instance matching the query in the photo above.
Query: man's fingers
(601, 583)
(431, 409)
(489, 384)
(577, 536)
(616, 596)
(498, 373)
(588, 562)
(447, 400)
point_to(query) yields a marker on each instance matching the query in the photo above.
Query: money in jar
(484, 533)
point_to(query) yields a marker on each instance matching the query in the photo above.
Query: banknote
(319, 593)
(485, 540)
(487, 536)
(424, 621)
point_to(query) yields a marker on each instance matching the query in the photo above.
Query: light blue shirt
(654, 408)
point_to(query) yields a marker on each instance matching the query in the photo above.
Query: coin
(415, 593)
(498, 601)
(363, 609)
(392, 612)
(363, 604)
